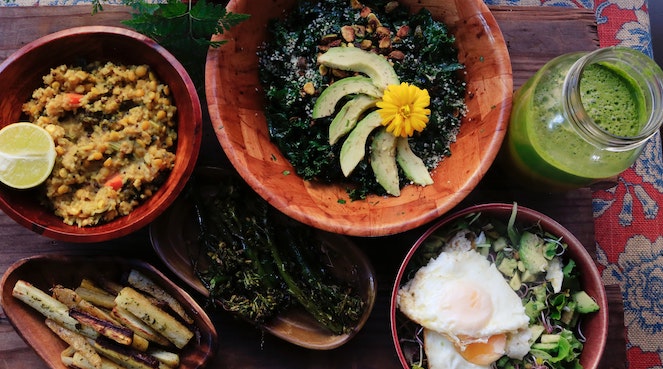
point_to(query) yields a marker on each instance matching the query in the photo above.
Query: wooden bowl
(45, 272)
(174, 236)
(21, 74)
(594, 325)
(235, 103)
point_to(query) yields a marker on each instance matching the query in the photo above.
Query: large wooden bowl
(21, 74)
(235, 103)
(594, 325)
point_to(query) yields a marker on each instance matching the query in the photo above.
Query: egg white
(441, 353)
(463, 296)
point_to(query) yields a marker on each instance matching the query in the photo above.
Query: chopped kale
(288, 62)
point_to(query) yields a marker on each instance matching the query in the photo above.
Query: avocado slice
(585, 303)
(412, 165)
(383, 161)
(325, 105)
(354, 147)
(354, 59)
(346, 119)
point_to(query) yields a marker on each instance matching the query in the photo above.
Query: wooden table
(533, 35)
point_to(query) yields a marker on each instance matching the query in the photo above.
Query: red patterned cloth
(627, 220)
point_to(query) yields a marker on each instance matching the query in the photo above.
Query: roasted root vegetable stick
(162, 322)
(143, 283)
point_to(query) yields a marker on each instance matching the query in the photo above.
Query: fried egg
(461, 296)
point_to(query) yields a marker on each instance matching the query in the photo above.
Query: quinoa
(115, 136)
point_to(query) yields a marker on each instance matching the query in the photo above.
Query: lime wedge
(27, 155)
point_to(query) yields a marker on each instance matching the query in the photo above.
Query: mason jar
(583, 117)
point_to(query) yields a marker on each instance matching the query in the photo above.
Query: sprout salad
(535, 265)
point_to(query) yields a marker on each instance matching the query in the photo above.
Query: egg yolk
(484, 353)
(467, 306)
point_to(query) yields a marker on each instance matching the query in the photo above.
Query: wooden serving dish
(235, 102)
(174, 236)
(46, 271)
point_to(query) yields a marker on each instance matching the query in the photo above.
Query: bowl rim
(165, 194)
(548, 224)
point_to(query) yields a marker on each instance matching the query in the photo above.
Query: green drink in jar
(583, 117)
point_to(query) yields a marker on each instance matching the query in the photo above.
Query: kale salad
(420, 49)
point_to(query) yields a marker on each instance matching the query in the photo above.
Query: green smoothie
(545, 147)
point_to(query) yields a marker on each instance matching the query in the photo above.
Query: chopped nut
(373, 23)
(396, 55)
(383, 31)
(366, 44)
(309, 88)
(391, 6)
(356, 4)
(385, 43)
(365, 11)
(329, 38)
(360, 31)
(403, 31)
(323, 70)
(339, 73)
(348, 33)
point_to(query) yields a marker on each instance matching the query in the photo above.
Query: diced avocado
(383, 161)
(508, 267)
(412, 165)
(499, 244)
(585, 303)
(531, 253)
(375, 66)
(515, 282)
(326, 103)
(346, 119)
(354, 147)
(537, 330)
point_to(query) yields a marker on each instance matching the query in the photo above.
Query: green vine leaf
(184, 28)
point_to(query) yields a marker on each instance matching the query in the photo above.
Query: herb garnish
(184, 28)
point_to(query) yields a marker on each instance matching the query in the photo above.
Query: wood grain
(239, 344)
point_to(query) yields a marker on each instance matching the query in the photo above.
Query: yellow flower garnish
(404, 109)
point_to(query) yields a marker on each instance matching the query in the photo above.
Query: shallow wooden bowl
(235, 104)
(594, 326)
(174, 236)
(47, 271)
(21, 74)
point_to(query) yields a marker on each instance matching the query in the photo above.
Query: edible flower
(403, 109)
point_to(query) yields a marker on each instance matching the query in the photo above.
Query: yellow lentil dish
(114, 132)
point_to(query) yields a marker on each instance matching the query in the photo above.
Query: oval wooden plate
(235, 104)
(174, 236)
(46, 271)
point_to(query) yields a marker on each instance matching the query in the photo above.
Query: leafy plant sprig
(183, 28)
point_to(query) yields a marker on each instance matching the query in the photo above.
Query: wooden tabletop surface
(240, 345)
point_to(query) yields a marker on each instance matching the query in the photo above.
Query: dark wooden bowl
(174, 236)
(235, 103)
(21, 74)
(47, 271)
(594, 325)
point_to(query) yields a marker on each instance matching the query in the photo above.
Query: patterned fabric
(629, 246)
